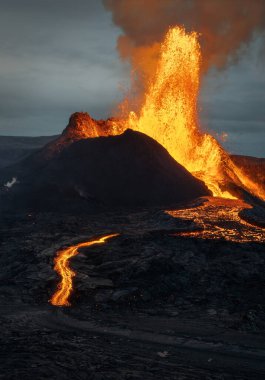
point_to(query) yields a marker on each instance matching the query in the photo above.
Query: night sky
(59, 56)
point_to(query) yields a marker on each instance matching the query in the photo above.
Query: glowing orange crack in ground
(65, 287)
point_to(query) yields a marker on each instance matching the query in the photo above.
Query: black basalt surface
(146, 305)
(128, 170)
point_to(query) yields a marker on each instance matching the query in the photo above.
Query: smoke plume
(225, 26)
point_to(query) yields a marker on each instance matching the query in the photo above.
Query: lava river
(219, 218)
(65, 287)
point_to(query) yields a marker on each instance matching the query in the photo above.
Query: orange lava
(65, 287)
(218, 219)
(169, 115)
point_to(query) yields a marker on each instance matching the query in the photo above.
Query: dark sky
(59, 56)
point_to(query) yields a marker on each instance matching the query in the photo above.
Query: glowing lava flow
(218, 219)
(169, 115)
(61, 296)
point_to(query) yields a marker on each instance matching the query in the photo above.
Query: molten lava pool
(219, 218)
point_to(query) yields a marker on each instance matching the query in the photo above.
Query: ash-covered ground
(176, 295)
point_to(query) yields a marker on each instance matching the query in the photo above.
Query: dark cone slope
(128, 170)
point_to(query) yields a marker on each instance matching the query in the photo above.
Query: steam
(225, 26)
(9, 184)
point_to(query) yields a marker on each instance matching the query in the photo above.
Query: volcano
(79, 169)
(106, 163)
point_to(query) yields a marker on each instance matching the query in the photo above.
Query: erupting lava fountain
(169, 115)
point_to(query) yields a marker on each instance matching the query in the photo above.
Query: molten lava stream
(219, 219)
(65, 287)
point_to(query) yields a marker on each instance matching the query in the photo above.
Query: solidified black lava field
(179, 294)
(148, 304)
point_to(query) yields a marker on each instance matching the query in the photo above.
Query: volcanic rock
(124, 170)
(82, 126)
(15, 148)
